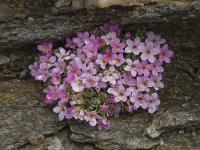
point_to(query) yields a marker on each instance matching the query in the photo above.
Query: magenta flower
(117, 46)
(47, 62)
(149, 52)
(155, 39)
(153, 102)
(109, 37)
(60, 110)
(139, 101)
(91, 118)
(90, 50)
(108, 55)
(117, 60)
(51, 95)
(104, 107)
(70, 43)
(142, 68)
(114, 110)
(132, 66)
(128, 35)
(134, 47)
(63, 95)
(165, 54)
(104, 124)
(45, 48)
(156, 80)
(156, 67)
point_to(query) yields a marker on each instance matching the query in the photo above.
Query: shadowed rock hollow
(27, 124)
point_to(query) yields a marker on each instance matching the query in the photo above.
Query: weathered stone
(4, 60)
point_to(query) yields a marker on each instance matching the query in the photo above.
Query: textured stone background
(25, 123)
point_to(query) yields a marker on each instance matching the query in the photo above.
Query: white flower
(77, 86)
(111, 75)
(131, 66)
(100, 61)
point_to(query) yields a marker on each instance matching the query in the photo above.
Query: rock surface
(25, 123)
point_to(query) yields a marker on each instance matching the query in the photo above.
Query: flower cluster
(97, 77)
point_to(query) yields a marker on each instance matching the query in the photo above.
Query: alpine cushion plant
(96, 77)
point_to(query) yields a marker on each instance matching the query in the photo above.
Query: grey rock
(4, 60)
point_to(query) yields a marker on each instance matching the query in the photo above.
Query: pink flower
(77, 85)
(51, 94)
(149, 52)
(117, 60)
(75, 70)
(60, 110)
(142, 68)
(108, 55)
(34, 69)
(104, 107)
(70, 77)
(89, 70)
(63, 95)
(132, 66)
(104, 124)
(156, 67)
(144, 83)
(81, 60)
(117, 46)
(90, 50)
(111, 75)
(131, 107)
(78, 113)
(134, 90)
(45, 48)
(153, 102)
(139, 101)
(91, 118)
(134, 46)
(109, 37)
(156, 80)
(70, 43)
(91, 81)
(128, 79)
(128, 35)
(47, 62)
(165, 54)
(121, 94)
(81, 38)
(101, 61)
(155, 39)
(55, 77)
(69, 113)
(42, 75)
(63, 55)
